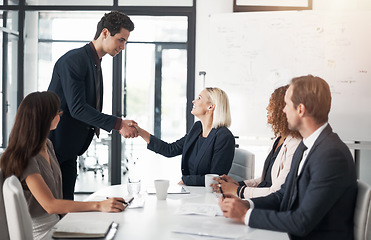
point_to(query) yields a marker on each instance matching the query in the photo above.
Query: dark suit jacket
(324, 196)
(215, 155)
(74, 81)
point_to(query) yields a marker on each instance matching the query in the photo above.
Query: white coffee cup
(161, 188)
(209, 180)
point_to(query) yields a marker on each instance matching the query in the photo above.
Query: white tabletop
(158, 219)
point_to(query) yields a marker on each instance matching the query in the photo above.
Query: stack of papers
(86, 229)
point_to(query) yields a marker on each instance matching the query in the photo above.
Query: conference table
(195, 215)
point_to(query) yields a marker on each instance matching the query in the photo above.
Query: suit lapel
(320, 138)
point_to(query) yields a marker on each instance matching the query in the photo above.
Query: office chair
(95, 166)
(17, 215)
(243, 165)
(362, 213)
(4, 234)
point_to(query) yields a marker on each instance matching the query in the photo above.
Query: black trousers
(69, 175)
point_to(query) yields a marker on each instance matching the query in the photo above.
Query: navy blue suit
(74, 81)
(324, 195)
(215, 155)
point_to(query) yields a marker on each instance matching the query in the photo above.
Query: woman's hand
(143, 133)
(112, 205)
(227, 184)
(228, 179)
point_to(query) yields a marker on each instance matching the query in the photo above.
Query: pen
(128, 202)
(112, 231)
(124, 202)
(221, 191)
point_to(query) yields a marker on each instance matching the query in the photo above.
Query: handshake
(130, 129)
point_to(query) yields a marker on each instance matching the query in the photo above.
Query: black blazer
(324, 196)
(74, 81)
(215, 156)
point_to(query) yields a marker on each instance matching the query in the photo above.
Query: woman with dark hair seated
(278, 162)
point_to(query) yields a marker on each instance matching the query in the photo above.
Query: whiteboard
(253, 53)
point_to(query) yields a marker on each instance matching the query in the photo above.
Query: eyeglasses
(60, 113)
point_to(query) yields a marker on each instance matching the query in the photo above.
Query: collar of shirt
(309, 142)
(95, 54)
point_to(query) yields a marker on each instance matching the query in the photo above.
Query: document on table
(200, 209)
(209, 229)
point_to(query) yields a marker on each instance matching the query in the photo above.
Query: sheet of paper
(200, 209)
(210, 229)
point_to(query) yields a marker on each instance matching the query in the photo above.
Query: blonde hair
(222, 112)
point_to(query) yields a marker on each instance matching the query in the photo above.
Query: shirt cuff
(240, 191)
(248, 213)
(118, 124)
(241, 183)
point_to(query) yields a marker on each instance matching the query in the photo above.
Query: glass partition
(70, 2)
(155, 83)
(49, 35)
(9, 71)
(155, 29)
(9, 2)
(178, 3)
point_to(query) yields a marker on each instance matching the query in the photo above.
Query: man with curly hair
(77, 80)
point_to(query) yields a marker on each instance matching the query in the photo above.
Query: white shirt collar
(309, 141)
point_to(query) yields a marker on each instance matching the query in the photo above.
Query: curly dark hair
(114, 22)
(278, 119)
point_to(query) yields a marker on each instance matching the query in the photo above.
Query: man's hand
(233, 207)
(127, 129)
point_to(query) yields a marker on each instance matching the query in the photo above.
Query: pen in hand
(221, 191)
(125, 202)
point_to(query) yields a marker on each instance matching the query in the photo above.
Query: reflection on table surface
(180, 216)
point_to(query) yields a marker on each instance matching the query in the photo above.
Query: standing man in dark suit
(318, 198)
(77, 79)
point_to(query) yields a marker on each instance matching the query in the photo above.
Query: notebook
(86, 229)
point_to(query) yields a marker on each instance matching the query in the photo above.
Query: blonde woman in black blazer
(209, 145)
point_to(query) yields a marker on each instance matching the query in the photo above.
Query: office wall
(203, 41)
(204, 9)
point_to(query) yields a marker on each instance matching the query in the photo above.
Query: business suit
(215, 155)
(74, 81)
(324, 196)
